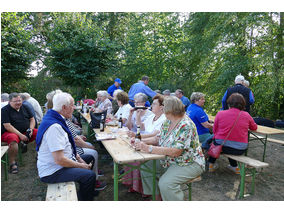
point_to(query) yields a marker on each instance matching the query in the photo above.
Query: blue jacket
(49, 119)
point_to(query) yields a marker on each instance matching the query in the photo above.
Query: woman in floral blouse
(178, 140)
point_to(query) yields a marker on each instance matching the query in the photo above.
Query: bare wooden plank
(270, 139)
(247, 160)
(4, 150)
(65, 191)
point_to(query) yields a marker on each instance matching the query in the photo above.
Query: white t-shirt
(54, 139)
(143, 118)
(124, 110)
(151, 125)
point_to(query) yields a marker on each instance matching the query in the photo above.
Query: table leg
(115, 181)
(264, 150)
(154, 180)
(242, 184)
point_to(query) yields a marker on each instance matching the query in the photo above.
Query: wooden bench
(188, 183)
(270, 139)
(4, 153)
(252, 164)
(65, 191)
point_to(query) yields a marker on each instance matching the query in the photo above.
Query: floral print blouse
(183, 136)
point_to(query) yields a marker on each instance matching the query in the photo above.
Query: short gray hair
(25, 96)
(196, 96)
(116, 92)
(61, 99)
(246, 83)
(4, 97)
(166, 92)
(103, 93)
(141, 97)
(49, 97)
(239, 79)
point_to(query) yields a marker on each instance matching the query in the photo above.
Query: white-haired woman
(178, 141)
(102, 102)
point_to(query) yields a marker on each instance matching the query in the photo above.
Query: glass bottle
(102, 123)
(120, 123)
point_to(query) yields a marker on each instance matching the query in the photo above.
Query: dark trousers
(86, 179)
(231, 151)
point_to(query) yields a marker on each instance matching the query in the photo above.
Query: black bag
(96, 118)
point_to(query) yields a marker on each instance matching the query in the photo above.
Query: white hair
(246, 83)
(103, 93)
(116, 92)
(141, 97)
(60, 100)
(239, 79)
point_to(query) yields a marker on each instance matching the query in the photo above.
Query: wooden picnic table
(122, 152)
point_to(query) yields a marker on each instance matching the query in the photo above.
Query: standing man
(141, 86)
(114, 87)
(239, 88)
(185, 100)
(17, 125)
(58, 160)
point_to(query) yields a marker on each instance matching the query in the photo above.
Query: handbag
(96, 118)
(215, 149)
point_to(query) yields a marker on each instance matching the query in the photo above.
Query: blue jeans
(86, 179)
(204, 140)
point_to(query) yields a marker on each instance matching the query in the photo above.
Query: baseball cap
(118, 80)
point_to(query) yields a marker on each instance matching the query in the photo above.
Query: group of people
(173, 126)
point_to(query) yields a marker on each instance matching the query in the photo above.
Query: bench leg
(115, 181)
(252, 182)
(264, 149)
(242, 184)
(189, 191)
(6, 163)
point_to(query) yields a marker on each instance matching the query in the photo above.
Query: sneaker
(236, 169)
(213, 167)
(100, 186)
(100, 173)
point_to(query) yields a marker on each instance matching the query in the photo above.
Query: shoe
(100, 186)
(23, 147)
(100, 173)
(14, 168)
(213, 167)
(236, 169)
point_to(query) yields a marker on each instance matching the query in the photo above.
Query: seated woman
(124, 107)
(238, 122)
(114, 101)
(184, 160)
(154, 122)
(102, 102)
(136, 118)
(199, 117)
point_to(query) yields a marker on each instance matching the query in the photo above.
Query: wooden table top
(122, 152)
(3, 150)
(260, 129)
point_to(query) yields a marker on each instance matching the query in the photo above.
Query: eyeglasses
(18, 101)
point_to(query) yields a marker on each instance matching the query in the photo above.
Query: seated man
(17, 125)
(57, 157)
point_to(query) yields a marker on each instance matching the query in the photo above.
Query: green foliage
(17, 51)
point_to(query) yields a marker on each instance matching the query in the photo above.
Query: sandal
(15, 169)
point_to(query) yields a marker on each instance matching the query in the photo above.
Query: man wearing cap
(239, 88)
(114, 87)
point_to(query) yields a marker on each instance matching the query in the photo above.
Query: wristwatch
(150, 149)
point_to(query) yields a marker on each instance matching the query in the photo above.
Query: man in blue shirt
(185, 101)
(114, 87)
(140, 86)
(199, 117)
